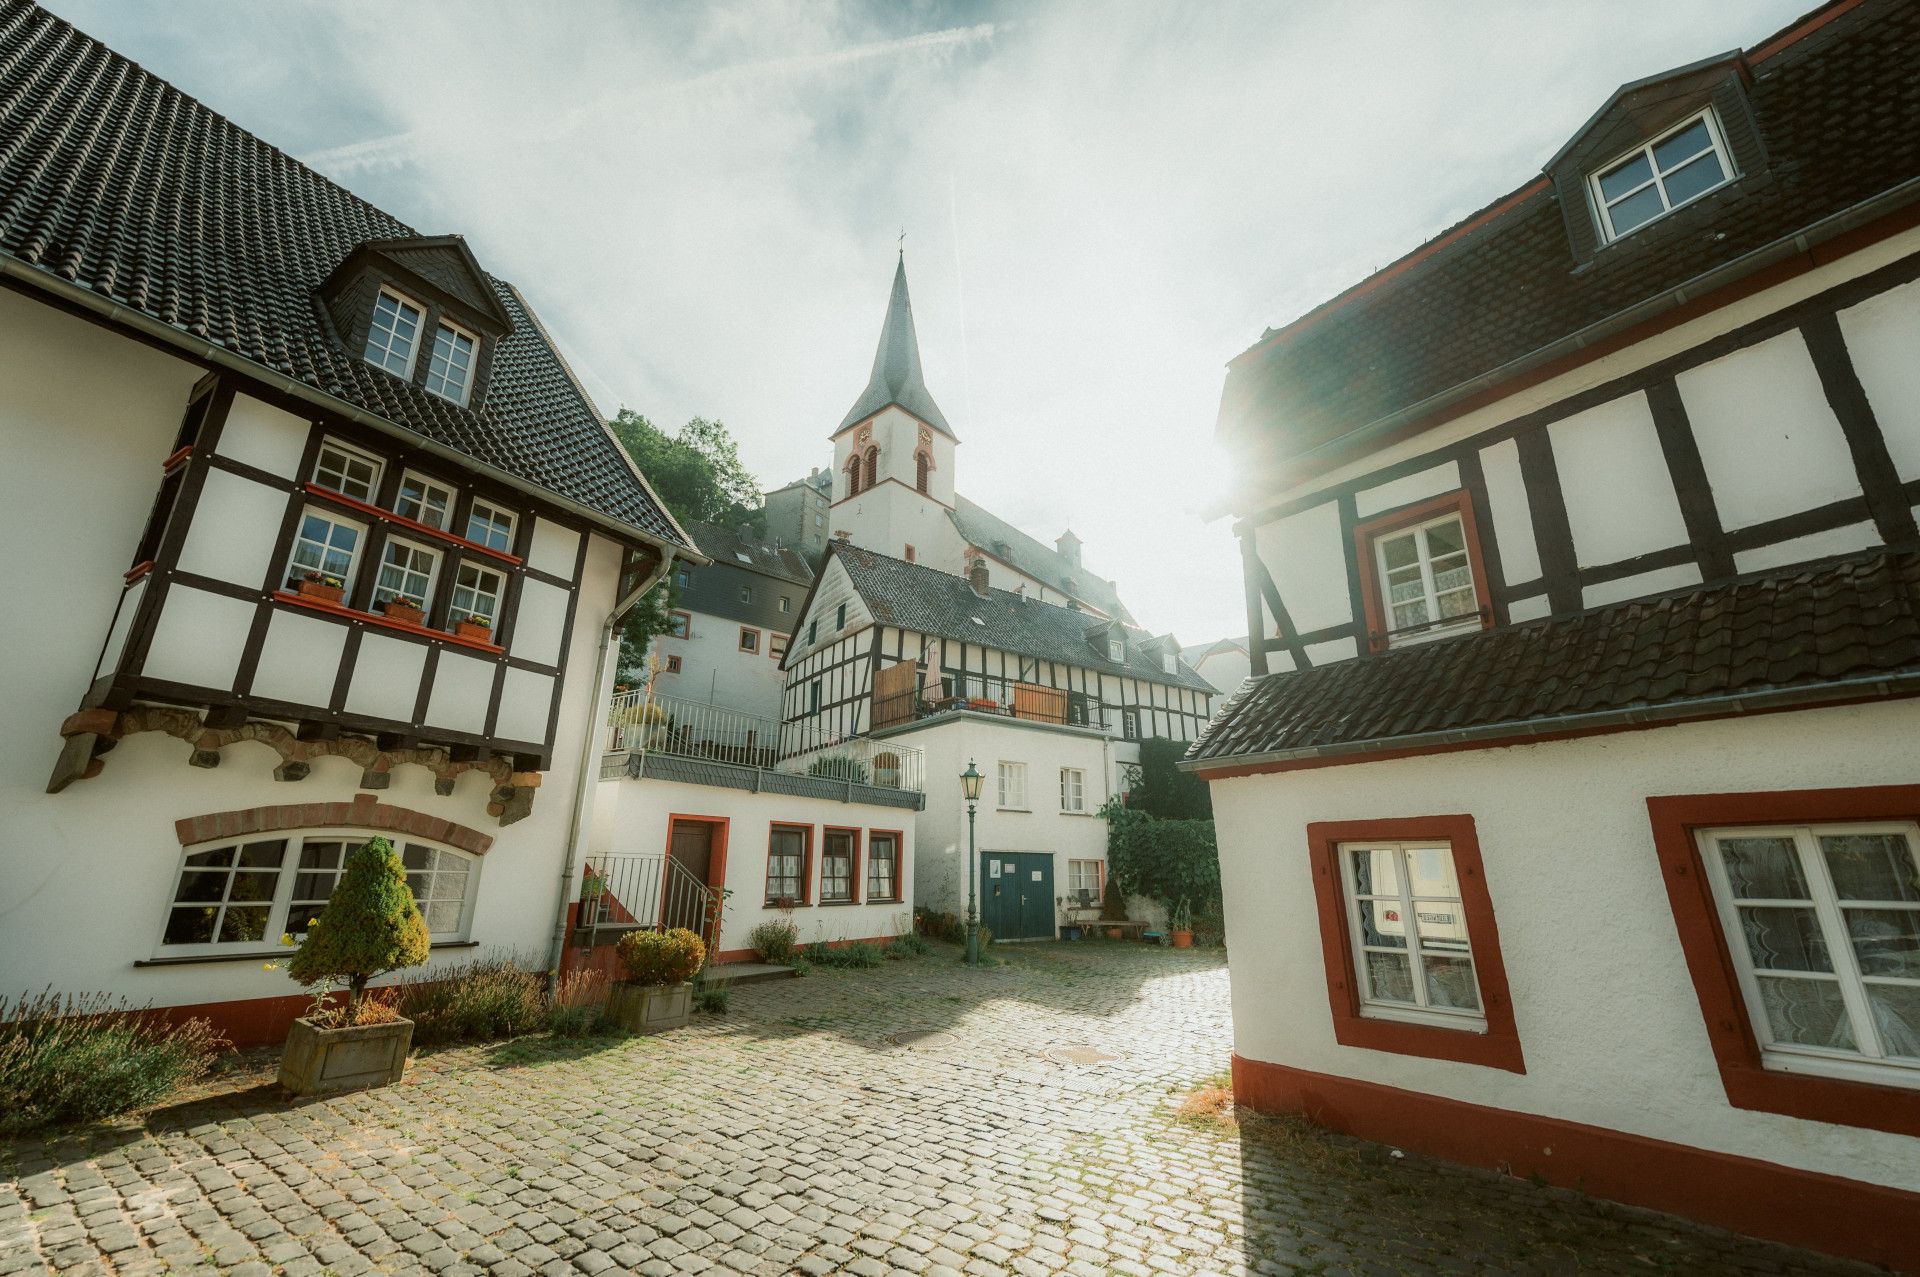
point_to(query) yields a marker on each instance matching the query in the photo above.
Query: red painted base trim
(1846, 1217)
(249, 1021)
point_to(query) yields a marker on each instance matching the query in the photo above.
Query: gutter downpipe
(603, 672)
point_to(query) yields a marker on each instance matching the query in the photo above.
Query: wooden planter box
(650, 1008)
(316, 590)
(402, 613)
(468, 630)
(318, 1061)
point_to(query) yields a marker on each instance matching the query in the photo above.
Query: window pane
(1381, 924)
(1871, 866)
(1458, 603)
(1389, 978)
(195, 887)
(1399, 552)
(1442, 927)
(219, 857)
(263, 855)
(1450, 983)
(1687, 142)
(1887, 941)
(1896, 1018)
(189, 926)
(1446, 538)
(1785, 939)
(1407, 616)
(1703, 174)
(243, 923)
(1623, 179)
(1763, 868)
(1806, 1012)
(1376, 872)
(1635, 209)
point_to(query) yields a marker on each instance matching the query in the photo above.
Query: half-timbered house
(1050, 702)
(1569, 823)
(315, 536)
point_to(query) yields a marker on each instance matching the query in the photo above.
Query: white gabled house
(272, 460)
(1570, 824)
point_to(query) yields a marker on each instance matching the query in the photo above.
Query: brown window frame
(1499, 1046)
(1365, 534)
(899, 838)
(853, 864)
(673, 664)
(806, 862)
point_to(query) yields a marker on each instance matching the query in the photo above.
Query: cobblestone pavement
(1026, 1120)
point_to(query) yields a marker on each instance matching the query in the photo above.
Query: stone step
(732, 973)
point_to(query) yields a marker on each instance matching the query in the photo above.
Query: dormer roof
(438, 264)
(897, 380)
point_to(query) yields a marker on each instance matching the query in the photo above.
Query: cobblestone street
(915, 1119)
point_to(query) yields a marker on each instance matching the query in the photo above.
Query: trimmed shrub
(662, 957)
(474, 1002)
(773, 940)
(1113, 905)
(76, 1058)
(370, 926)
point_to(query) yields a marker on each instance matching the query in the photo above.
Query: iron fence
(626, 893)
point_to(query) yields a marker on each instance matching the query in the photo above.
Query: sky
(1101, 203)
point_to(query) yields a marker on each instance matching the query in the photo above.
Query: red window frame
(673, 664)
(752, 648)
(1749, 1084)
(1499, 1046)
(899, 865)
(806, 862)
(854, 885)
(1373, 600)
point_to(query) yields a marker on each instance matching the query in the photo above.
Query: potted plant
(474, 626)
(1113, 908)
(403, 609)
(1180, 923)
(370, 926)
(658, 993)
(593, 886)
(319, 585)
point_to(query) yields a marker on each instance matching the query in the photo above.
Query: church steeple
(897, 378)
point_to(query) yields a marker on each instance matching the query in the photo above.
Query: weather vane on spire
(903, 241)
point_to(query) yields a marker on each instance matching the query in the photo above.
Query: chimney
(1069, 547)
(977, 577)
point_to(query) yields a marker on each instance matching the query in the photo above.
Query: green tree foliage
(370, 926)
(699, 478)
(1172, 861)
(1164, 791)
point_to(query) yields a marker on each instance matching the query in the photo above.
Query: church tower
(893, 453)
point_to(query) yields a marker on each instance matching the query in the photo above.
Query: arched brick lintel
(364, 812)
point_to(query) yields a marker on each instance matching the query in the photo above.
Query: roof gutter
(1523, 731)
(1800, 241)
(206, 352)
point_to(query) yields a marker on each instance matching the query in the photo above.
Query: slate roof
(980, 527)
(896, 377)
(1838, 111)
(727, 545)
(944, 605)
(1836, 630)
(114, 180)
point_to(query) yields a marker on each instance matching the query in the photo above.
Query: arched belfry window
(873, 467)
(853, 475)
(922, 469)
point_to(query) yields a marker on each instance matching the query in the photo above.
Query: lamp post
(970, 786)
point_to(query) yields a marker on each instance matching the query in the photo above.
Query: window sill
(281, 952)
(836, 904)
(374, 618)
(411, 525)
(1017, 811)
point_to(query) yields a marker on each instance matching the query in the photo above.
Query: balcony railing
(619, 894)
(986, 694)
(882, 764)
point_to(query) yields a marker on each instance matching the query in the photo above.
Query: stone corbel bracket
(90, 733)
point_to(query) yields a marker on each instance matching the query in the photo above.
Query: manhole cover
(1078, 1055)
(923, 1039)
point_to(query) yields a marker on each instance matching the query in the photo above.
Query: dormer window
(1116, 649)
(394, 334)
(1673, 169)
(450, 370)
(1169, 663)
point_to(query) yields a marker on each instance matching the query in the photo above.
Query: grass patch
(1208, 1107)
(77, 1058)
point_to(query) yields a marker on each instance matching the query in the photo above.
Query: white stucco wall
(1607, 1015)
(714, 671)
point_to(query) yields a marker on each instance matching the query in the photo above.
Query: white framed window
(1652, 180)
(1013, 786)
(477, 591)
(407, 571)
(325, 543)
(1823, 922)
(1117, 649)
(1169, 663)
(836, 866)
(245, 893)
(1412, 955)
(450, 366)
(424, 501)
(1073, 789)
(746, 594)
(1426, 579)
(883, 867)
(1084, 883)
(393, 337)
(491, 526)
(348, 471)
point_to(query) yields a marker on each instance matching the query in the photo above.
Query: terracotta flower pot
(1183, 939)
(1114, 933)
(318, 1060)
(473, 630)
(319, 590)
(650, 1008)
(402, 613)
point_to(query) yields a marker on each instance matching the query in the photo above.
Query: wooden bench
(1128, 930)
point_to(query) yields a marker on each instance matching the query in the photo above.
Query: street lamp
(970, 786)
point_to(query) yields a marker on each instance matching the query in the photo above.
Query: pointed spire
(897, 378)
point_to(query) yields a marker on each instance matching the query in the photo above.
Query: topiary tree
(662, 957)
(1113, 905)
(370, 926)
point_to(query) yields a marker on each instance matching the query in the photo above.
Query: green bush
(801, 967)
(81, 1057)
(713, 1001)
(1113, 905)
(908, 946)
(773, 940)
(851, 957)
(370, 926)
(662, 957)
(839, 767)
(475, 1002)
(1164, 791)
(942, 925)
(1167, 860)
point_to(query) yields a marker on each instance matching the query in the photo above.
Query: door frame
(716, 868)
(1053, 929)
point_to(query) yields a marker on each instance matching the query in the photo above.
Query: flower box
(468, 628)
(405, 613)
(320, 590)
(318, 1060)
(650, 1008)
